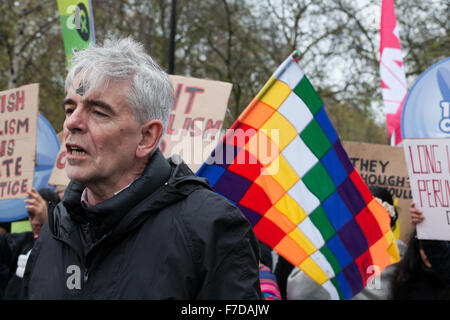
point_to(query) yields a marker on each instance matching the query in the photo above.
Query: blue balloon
(426, 112)
(47, 147)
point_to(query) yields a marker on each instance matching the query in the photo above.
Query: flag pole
(173, 26)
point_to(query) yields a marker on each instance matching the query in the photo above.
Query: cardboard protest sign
(18, 129)
(429, 171)
(59, 176)
(385, 166)
(196, 119)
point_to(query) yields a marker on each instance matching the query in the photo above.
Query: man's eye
(100, 114)
(68, 111)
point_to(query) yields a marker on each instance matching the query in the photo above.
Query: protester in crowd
(5, 227)
(283, 269)
(379, 286)
(5, 256)
(267, 279)
(265, 253)
(424, 271)
(16, 247)
(133, 225)
(268, 283)
(37, 207)
(301, 287)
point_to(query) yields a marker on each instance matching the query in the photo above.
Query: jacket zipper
(87, 231)
(87, 266)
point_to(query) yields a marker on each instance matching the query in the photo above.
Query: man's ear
(151, 133)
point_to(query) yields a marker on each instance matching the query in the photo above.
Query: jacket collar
(103, 216)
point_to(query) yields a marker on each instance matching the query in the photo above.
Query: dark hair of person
(413, 280)
(49, 195)
(6, 226)
(385, 195)
(407, 269)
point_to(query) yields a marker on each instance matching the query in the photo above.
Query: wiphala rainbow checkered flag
(283, 165)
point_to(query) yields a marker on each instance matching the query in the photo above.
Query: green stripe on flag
(331, 259)
(319, 182)
(309, 96)
(315, 139)
(320, 220)
(336, 286)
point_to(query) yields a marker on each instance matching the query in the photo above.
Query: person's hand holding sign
(37, 211)
(416, 214)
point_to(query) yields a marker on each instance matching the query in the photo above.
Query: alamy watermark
(374, 280)
(74, 279)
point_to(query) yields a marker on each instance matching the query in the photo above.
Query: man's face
(101, 136)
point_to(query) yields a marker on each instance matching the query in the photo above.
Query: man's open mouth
(74, 150)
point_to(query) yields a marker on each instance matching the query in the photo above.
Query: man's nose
(76, 121)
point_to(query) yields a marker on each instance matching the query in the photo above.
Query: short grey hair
(151, 94)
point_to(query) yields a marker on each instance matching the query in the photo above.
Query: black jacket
(11, 246)
(167, 236)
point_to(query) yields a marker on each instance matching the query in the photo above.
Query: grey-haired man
(133, 225)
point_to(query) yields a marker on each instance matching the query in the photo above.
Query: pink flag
(393, 80)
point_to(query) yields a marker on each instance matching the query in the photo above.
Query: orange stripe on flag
(289, 249)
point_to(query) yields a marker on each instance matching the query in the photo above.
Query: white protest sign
(428, 163)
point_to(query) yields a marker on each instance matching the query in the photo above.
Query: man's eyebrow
(100, 104)
(67, 101)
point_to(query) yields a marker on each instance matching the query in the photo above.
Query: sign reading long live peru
(18, 127)
(428, 163)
